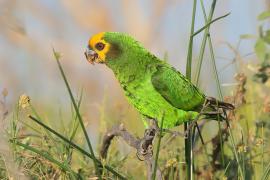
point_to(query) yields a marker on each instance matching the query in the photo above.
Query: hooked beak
(91, 55)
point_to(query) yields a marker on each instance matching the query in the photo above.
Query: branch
(144, 146)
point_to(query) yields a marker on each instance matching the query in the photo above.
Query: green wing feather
(176, 89)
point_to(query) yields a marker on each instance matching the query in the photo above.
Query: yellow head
(97, 48)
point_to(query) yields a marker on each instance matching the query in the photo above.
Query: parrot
(155, 88)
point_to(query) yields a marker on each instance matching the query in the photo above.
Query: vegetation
(234, 149)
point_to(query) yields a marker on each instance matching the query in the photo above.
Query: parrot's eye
(99, 46)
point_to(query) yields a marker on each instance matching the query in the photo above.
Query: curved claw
(142, 153)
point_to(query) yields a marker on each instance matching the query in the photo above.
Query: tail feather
(213, 102)
(216, 117)
(216, 109)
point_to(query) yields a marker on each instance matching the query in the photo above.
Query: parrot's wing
(176, 89)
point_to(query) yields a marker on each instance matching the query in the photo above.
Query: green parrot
(152, 86)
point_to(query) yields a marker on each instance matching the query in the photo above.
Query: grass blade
(57, 57)
(48, 157)
(220, 95)
(202, 50)
(158, 148)
(217, 81)
(188, 140)
(188, 143)
(266, 173)
(75, 122)
(209, 23)
(76, 147)
(190, 45)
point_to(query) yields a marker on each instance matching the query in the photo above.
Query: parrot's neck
(127, 71)
(133, 67)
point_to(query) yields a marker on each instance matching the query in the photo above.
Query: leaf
(260, 49)
(264, 15)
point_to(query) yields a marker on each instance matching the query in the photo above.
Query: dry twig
(144, 146)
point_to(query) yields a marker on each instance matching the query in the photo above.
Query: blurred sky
(30, 28)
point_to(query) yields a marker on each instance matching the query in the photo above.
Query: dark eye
(99, 46)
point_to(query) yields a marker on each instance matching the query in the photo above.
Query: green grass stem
(203, 45)
(77, 147)
(47, 156)
(75, 124)
(158, 148)
(208, 37)
(209, 23)
(57, 57)
(266, 173)
(188, 140)
(217, 81)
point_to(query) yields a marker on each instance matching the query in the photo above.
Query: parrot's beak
(91, 55)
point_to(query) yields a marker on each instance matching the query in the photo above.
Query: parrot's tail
(216, 109)
(213, 102)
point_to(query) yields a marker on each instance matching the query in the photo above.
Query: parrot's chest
(141, 93)
(143, 96)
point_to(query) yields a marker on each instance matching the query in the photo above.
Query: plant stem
(217, 82)
(158, 148)
(190, 45)
(76, 147)
(202, 50)
(207, 36)
(56, 55)
(188, 140)
(209, 23)
(63, 166)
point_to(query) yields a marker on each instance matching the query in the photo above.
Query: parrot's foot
(144, 146)
(219, 104)
(218, 109)
(145, 149)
